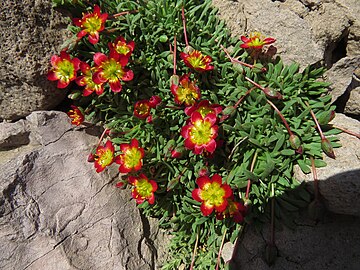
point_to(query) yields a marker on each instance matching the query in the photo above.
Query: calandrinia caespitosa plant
(204, 128)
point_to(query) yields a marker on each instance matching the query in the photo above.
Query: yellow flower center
(144, 188)
(105, 158)
(92, 24)
(201, 133)
(65, 70)
(112, 70)
(212, 194)
(197, 61)
(204, 110)
(187, 94)
(142, 109)
(132, 157)
(122, 48)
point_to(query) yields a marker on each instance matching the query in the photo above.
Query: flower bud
(154, 101)
(227, 112)
(188, 49)
(327, 148)
(272, 93)
(203, 172)
(163, 38)
(122, 184)
(91, 157)
(178, 152)
(174, 80)
(295, 143)
(74, 95)
(325, 117)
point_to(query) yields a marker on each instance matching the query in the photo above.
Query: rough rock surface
(340, 185)
(31, 31)
(332, 244)
(57, 213)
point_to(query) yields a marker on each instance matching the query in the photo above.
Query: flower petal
(206, 210)
(115, 86)
(196, 194)
(202, 181)
(99, 58)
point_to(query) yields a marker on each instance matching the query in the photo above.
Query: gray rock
(57, 213)
(353, 105)
(332, 244)
(339, 182)
(31, 32)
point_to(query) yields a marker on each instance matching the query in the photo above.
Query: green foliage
(253, 134)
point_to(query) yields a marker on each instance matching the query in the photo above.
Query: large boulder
(57, 213)
(31, 31)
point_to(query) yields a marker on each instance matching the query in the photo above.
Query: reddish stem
(124, 13)
(233, 60)
(316, 122)
(281, 116)
(184, 24)
(174, 54)
(316, 180)
(242, 98)
(357, 135)
(102, 136)
(249, 180)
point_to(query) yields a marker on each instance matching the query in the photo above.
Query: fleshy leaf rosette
(196, 60)
(131, 158)
(212, 194)
(63, 69)
(111, 69)
(143, 189)
(91, 24)
(104, 156)
(76, 116)
(200, 133)
(255, 41)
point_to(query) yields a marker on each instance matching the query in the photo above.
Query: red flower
(200, 133)
(142, 109)
(256, 41)
(121, 47)
(91, 24)
(186, 92)
(63, 69)
(236, 210)
(204, 107)
(131, 157)
(104, 156)
(111, 69)
(143, 189)
(87, 81)
(196, 60)
(76, 115)
(212, 194)
(154, 101)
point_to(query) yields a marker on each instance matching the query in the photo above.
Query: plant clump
(205, 128)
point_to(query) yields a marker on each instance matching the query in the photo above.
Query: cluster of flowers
(199, 133)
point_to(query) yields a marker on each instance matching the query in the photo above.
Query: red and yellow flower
(131, 158)
(63, 69)
(86, 80)
(186, 92)
(91, 24)
(76, 116)
(121, 47)
(142, 109)
(212, 194)
(256, 41)
(204, 107)
(111, 69)
(196, 60)
(200, 133)
(235, 210)
(104, 156)
(143, 189)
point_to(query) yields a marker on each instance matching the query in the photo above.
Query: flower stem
(357, 135)
(220, 250)
(281, 116)
(184, 24)
(174, 55)
(316, 180)
(249, 180)
(124, 13)
(272, 236)
(102, 136)
(242, 98)
(234, 60)
(194, 252)
(316, 121)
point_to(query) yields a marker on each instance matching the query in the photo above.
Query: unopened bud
(203, 172)
(163, 38)
(327, 148)
(295, 143)
(74, 95)
(154, 101)
(325, 117)
(174, 80)
(178, 152)
(91, 157)
(121, 184)
(188, 49)
(272, 93)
